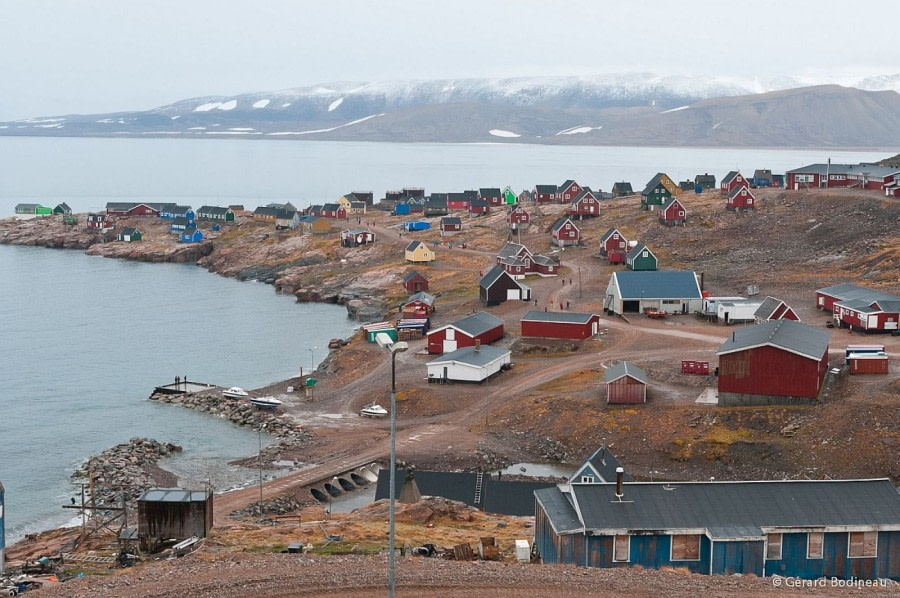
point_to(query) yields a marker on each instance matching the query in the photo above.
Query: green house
(33, 208)
(654, 194)
(63, 209)
(509, 196)
(641, 258)
(130, 235)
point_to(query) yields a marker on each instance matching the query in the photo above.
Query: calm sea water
(87, 173)
(83, 341)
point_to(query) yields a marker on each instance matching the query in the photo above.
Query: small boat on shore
(373, 410)
(235, 392)
(266, 402)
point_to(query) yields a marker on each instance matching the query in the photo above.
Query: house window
(681, 213)
(863, 544)
(587, 479)
(749, 201)
(615, 236)
(773, 547)
(686, 547)
(814, 541)
(622, 244)
(621, 549)
(645, 254)
(568, 196)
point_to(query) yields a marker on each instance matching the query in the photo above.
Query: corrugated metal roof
(637, 249)
(785, 334)
(422, 296)
(471, 356)
(566, 317)
(559, 510)
(729, 507)
(624, 368)
(172, 495)
(872, 170)
(846, 291)
(478, 323)
(768, 307)
(605, 464)
(491, 277)
(661, 284)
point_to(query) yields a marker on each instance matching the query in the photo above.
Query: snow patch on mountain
(577, 130)
(351, 123)
(502, 133)
(335, 104)
(261, 103)
(680, 108)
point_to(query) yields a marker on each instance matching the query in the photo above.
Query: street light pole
(259, 460)
(385, 341)
(312, 357)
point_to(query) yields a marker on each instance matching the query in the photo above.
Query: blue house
(171, 211)
(599, 468)
(401, 209)
(181, 223)
(191, 235)
(802, 528)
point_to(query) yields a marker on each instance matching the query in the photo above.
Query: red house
(414, 282)
(625, 384)
(419, 305)
(480, 326)
(863, 176)
(545, 265)
(517, 217)
(492, 195)
(828, 297)
(584, 204)
(479, 207)
(613, 241)
(560, 324)
(672, 212)
(334, 211)
(98, 221)
(517, 260)
(739, 199)
(564, 232)
(544, 193)
(881, 315)
(774, 309)
(567, 191)
(458, 201)
(451, 224)
(733, 179)
(130, 209)
(774, 363)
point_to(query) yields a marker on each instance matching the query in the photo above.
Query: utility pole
(579, 282)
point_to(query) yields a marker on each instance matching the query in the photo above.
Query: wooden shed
(173, 513)
(672, 212)
(560, 324)
(414, 282)
(625, 383)
(480, 326)
(564, 232)
(498, 286)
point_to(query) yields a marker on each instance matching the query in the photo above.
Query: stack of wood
(488, 549)
(463, 552)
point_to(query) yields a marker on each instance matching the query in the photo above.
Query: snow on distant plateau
(261, 103)
(576, 130)
(335, 104)
(502, 133)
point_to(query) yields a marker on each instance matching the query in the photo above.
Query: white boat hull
(266, 402)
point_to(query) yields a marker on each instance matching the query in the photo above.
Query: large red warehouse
(560, 324)
(860, 308)
(480, 326)
(781, 362)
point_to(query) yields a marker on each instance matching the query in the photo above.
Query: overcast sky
(90, 56)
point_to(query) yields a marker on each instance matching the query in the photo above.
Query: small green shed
(641, 258)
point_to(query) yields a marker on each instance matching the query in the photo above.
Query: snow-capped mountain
(601, 109)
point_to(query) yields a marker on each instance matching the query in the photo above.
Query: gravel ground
(278, 575)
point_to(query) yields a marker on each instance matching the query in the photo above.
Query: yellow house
(344, 201)
(315, 225)
(669, 184)
(419, 252)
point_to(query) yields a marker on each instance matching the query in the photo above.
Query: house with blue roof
(672, 291)
(191, 235)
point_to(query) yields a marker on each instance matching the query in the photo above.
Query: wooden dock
(182, 388)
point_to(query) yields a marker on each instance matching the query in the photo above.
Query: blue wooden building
(191, 235)
(401, 209)
(804, 528)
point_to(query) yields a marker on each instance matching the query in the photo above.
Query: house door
(594, 327)
(684, 308)
(873, 322)
(726, 318)
(445, 373)
(450, 340)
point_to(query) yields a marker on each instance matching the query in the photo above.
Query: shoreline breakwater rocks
(128, 468)
(241, 413)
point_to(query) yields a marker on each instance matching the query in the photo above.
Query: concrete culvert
(332, 489)
(346, 485)
(319, 495)
(358, 479)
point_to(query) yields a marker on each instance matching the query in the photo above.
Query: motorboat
(266, 402)
(373, 410)
(235, 392)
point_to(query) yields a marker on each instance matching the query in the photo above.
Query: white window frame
(672, 548)
(587, 479)
(849, 543)
(627, 558)
(821, 554)
(770, 557)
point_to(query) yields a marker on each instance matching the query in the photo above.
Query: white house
(469, 364)
(673, 291)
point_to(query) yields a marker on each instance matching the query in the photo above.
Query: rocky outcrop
(46, 232)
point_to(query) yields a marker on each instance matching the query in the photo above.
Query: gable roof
(846, 291)
(762, 174)
(705, 178)
(730, 177)
(415, 244)
(130, 231)
(564, 317)
(478, 323)
(511, 249)
(624, 368)
(451, 220)
(738, 191)
(636, 251)
(622, 187)
(604, 463)
(669, 203)
(609, 233)
(331, 207)
(655, 182)
(738, 510)
(788, 335)
(856, 170)
(542, 189)
(474, 356)
(489, 191)
(657, 284)
(767, 308)
(409, 275)
(560, 222)
(566, 185)
(493, 275)
(213, 210)
(585, 192)
(267, 211)
(559, 510)
(545, 260)
(421, 296)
